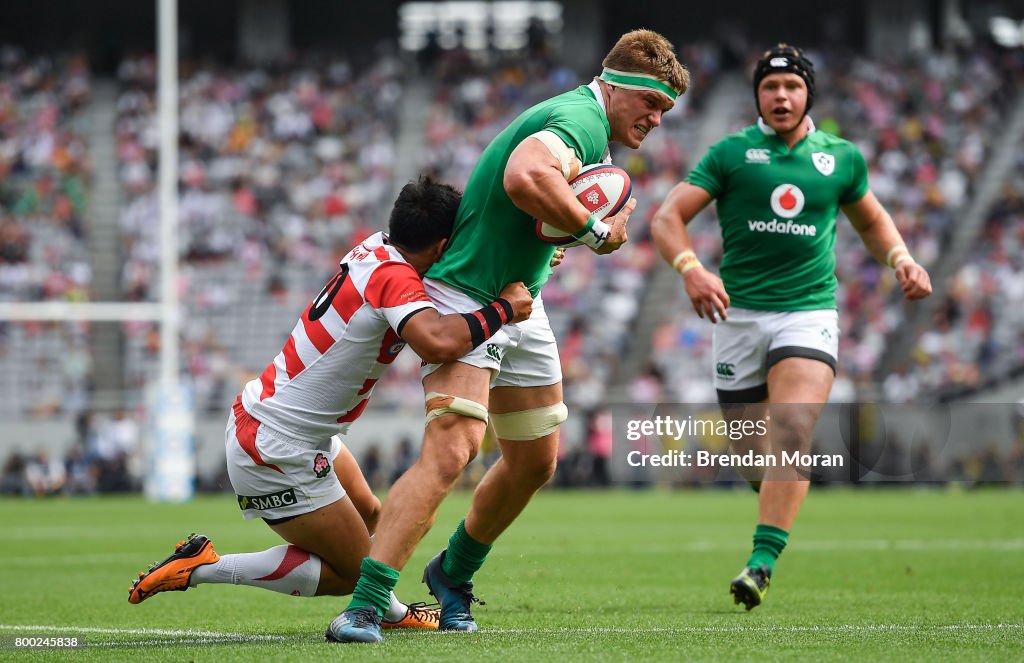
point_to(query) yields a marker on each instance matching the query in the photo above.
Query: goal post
(169, 430)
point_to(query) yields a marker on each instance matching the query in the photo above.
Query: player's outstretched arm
(881, 237)
(705, 290)
(443, 338)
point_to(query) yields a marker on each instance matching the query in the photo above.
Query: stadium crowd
(975, 340)
(44, 181)
(283, 168)
(280, 171)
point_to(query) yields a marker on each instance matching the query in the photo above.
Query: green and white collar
(768, 131)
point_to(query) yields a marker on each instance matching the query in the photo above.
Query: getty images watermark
(688, 443)
(736, 430)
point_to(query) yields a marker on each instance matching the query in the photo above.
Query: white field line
(187, 637)
(172, 633)
(811, 546)
(884, 544)
(836, 628)
(184, 642)
(938, 545)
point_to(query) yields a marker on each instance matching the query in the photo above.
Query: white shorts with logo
(523, 354)
(748, 343)
(275, 476)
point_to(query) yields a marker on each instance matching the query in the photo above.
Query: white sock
(396, 611)
(284, 569)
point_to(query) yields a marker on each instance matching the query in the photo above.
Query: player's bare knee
(534, 462)
(448, 467)
(450, 444)
(535, 471)
(458, 434)
(792, 426)
(455, 429)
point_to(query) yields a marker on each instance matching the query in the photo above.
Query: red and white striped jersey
(323, 378)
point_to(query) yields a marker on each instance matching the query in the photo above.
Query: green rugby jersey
(777, 209)
(493, 242)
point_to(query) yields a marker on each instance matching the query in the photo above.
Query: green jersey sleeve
(584, 132)
(709, 174)
(858, 178)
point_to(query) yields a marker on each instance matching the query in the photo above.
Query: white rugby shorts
(275, 476)
(523, 354)
(748, 343)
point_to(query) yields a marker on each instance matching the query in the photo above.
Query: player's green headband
(634, 81)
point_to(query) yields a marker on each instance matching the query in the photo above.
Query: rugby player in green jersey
(514, 382)
(778, 186)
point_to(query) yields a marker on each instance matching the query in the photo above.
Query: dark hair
(785, 59)
(424, 212)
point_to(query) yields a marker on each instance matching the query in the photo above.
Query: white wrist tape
(594, 234)
(685, 261)
(896, 255)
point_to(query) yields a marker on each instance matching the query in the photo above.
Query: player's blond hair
(647, 52)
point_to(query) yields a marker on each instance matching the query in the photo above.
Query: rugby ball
(601, 188)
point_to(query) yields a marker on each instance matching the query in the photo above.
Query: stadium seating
(44, 180)
(282, 169)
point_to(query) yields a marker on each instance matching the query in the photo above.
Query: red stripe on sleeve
(347, 301)
(394, 284)
(267, 379)
(354, 413)
(292, 363)
(317, 333)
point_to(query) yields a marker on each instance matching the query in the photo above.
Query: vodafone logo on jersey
(787, 201)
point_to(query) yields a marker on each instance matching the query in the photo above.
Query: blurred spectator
(116, 452)
(45, 475)
(599, 444)
(405, 456)
(12, 477)
(372, 468)
(82, 472)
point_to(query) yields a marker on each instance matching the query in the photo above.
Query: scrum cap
(783, 59)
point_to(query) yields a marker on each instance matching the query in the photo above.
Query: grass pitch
(894, 574)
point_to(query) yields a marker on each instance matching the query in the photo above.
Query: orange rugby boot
(173, 573)
(418, 616)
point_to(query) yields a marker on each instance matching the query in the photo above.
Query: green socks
(376, 581)
(768, 544)
(464, 556)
